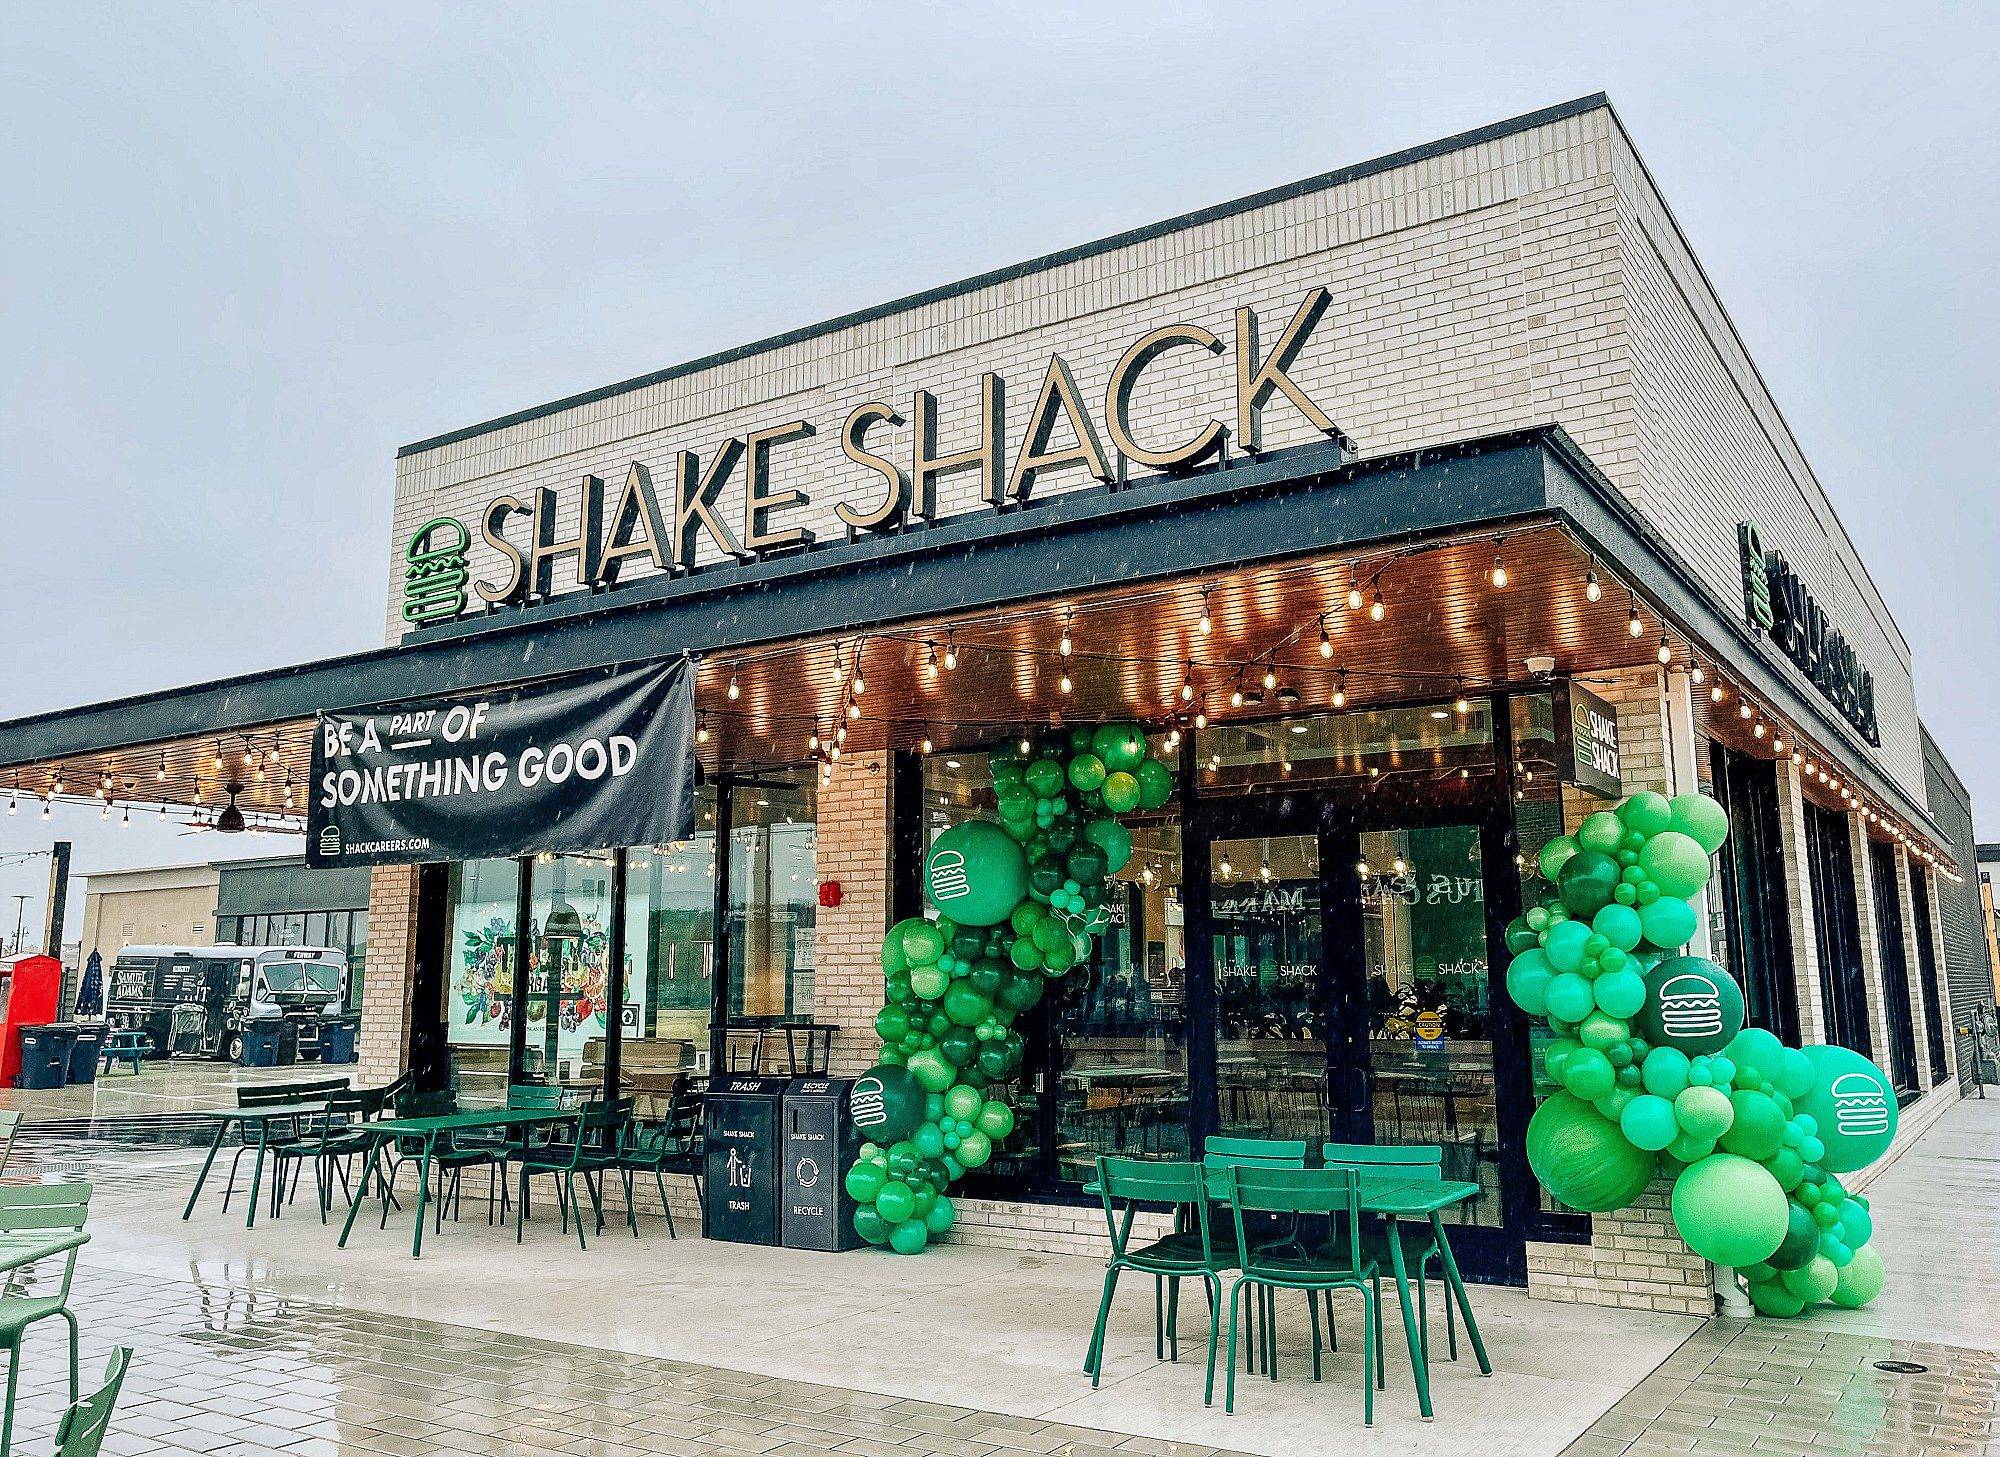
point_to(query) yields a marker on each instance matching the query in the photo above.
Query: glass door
(568, 1012)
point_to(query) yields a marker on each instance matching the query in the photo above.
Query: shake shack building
(1414, 509)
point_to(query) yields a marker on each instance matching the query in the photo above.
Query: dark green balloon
(870, 1225)
(1801, 1239)
(1587, 879)
(1156, 784)
(886, 1103)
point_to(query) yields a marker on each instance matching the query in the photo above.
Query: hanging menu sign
(575, 764)
(1587, 742)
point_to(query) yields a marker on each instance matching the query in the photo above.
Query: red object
(830, 893)
(29, 988)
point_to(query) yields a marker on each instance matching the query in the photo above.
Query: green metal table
(248, 1119)
(23, 1249)
(1394, 1200)
(429, 1131)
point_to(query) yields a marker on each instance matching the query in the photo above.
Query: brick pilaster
(1799, 910)
(1868, 915)
(388, 980)
(853, 848)
(1919, 1019)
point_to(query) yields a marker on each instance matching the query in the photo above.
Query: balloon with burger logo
(1651, 1070)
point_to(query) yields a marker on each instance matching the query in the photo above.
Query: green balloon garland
(1020, 899)
(1652, 1068)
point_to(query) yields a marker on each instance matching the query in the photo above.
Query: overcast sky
(247, 251)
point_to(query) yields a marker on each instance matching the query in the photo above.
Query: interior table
(428, 1131)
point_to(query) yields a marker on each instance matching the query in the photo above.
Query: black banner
(576, 764)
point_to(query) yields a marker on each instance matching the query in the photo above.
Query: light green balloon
(1622, 926)
(1528, 977)
(1554, 855)
(1601, 831)
(1647, 812)
(1729, 1210)
(1773, 1299)
(1813, 1281)
(1619, 993)
(1704, 1112)
(1668, 922)
(1564, 943)
(1701, 819)
(1649, 1122)
(1861, 1280)
(1569, 997)
(1676, 863)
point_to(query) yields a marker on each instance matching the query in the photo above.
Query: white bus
(196, 999)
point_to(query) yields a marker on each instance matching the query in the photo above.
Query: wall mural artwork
(1652, 1070)
(1019, 900)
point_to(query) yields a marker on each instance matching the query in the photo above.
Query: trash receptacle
(260, 1041)
(45, 1055)
(337, 1036)
(84, 1049)
(741, 1121)
(288, 1041)
(817, 1212)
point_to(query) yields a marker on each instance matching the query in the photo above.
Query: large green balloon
(1564, 944)
(1583, 1160)
(1691, 1004)
(1122, 792)
(1554, 855)
(1602, 831)
(975, 873)
(1813, 1281)
(1668, 922)
(886, 1104)
(1647, 812)
(1649, 1122)
(1620, 925)
(1156, 784)
(1676, 863)
(1860, 1279)
(1704, 1112)
(1854, 1104)
(1120, 746)
(1587, 880)
(1772, 1298)
(1801, 1240)
(1113, 839)
(1758, 1128)
(1730, 1210)
(1701, 819)
(1528, 977)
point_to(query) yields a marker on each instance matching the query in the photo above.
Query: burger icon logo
(866, 1104)
(1690, 1007)
(1860, 1107)
(948, 880)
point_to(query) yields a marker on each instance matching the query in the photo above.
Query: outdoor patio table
(430, 1130)
(255, 1121)
(1394, 1201)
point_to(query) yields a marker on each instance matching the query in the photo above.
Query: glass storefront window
(568, 982)
(1271, 1072)
(1425, 738)
(479, 981)
(669, 956)
(773, 897)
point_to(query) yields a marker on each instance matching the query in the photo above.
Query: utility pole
(20, 912)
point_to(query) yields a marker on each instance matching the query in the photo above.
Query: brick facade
(385, 1010)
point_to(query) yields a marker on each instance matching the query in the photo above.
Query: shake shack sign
(578, 764)
(1776, 601)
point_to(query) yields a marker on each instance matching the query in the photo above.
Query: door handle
(1360, 1077)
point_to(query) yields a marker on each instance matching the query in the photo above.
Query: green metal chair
(81, 1431)
(1414, 1163)
(38, 1209)
(671, 1145)
(451, 1156)
(333, 1137)
(1131, 1182)
(10, 1125)
(1278, 1153)
(598, 1133)
(1335, 1193)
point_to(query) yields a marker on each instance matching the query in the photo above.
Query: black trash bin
(45, 1055)
(741, 1122)
(288, 1041)
(817, 1212)
(337, 1037)
(84, 1049)
(260, 1041)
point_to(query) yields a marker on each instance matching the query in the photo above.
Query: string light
(1187, 682)
(1201, 718)
(853, 710)
(1715, 693)
(1759, 730)
(1498, 576)
(1666, 653)
(1325, 639)
(1632, 623)
(125, 820)
(1743, 709)
(1064, 683)
(1236, 696)
(1461, 704)
(218, 753)
(1378, 609)
(59, 780)
(931, 661)
(1227, 869)
(1592, 588)
(161, 772)
(1270, 678)
(1353, 591)
(1264, 871)
(1027, 746)
(1695, 675)
(45, 806)
(1066, 646)
(1340, 689)
(1361, 868)
(839, 665)
(950, 652)
(13, 802)
(734, 691)
(860, 683)
(1207, 624)
(1399, 865)
(925, 746)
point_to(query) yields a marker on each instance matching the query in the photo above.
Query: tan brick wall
(1919, 1019)
(853, 848)
(387, 977)
(1872, 975)
(1799, 909)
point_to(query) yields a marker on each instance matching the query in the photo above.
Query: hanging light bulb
(1399, 865)
(1592, 588)
(1064, 683)
(1066, 646)
(161, 772)
(125, 820)
(1146, 874)
(1378, 609)
(1264, 871)
(1759, 730)
(1353, 591)
(105, 813)
(1201, 718)
(701, 728)
(1187, 682)
(1498, 576)
(1715, 693)
(925, 746)
(853, 710)
(1743, 709)
(1632, 623)
(1325, 639)
(1461, 704)
(1207, 624)
(734, 691)
(950, 653)
(59, 781)
(812, 738)
(1027, 746)
(1236, 696)
(1666, 653)
(931, 661)
(1777, 746)
(218, 753)
(839, 664)
(860, 683)
(840, 737)
(1695, 675)
(13, 802)
(1285, 766)
(1361, 868)
(45, 807)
